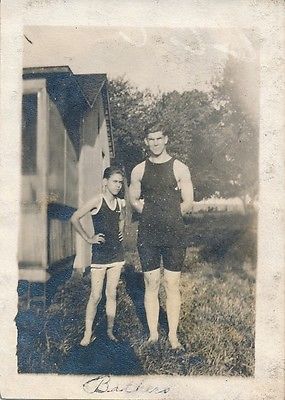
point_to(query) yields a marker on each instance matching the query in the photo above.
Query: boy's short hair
(112, 170)
(155, 128)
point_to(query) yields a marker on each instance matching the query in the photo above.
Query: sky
(160, 59)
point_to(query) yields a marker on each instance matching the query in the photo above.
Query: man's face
(156, 142)
(114, 183)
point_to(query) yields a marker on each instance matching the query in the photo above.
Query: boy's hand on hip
(97, 239)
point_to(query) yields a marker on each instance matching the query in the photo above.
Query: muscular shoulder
(181, 171)
(138, 171)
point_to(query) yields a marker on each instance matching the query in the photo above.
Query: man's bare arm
(185, 184)
(135, 188)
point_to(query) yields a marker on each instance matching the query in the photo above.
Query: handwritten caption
(105, 384)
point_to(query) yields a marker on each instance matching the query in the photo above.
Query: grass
(217, 315)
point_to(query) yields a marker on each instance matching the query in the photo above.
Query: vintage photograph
(137, 245)
(142, 200)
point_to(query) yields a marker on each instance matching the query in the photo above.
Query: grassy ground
(217, 315)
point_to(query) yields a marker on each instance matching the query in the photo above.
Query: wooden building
(66, 144)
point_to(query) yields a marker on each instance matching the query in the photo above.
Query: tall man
(161, 191)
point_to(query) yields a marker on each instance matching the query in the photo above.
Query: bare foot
(87, 339)
(152, 339)
(111, 336)
(174, 343)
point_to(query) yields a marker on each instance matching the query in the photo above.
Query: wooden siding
(61, 240)
(31, 236)
(66, 177)
(94, 157)
(71, 174)
(56, 155)
(62, 187)
(32, 245)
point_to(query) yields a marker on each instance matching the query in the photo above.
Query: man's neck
(161, 158)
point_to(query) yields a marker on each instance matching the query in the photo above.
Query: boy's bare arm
(81, 212)
(135, 188)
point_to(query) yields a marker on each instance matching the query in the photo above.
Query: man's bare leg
(173, 304)
(113, 276)
(97, 279)
(151, 302)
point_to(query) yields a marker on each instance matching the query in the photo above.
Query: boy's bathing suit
(106, 221)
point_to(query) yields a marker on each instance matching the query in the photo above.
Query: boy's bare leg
(173, 304)
(151, 302)
(97, 279)
(113, 276)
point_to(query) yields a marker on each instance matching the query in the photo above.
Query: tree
(189, 119)
(131, 111)
(236, 97)
(214, 133)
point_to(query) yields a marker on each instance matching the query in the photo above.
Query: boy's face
(114, 183)
(156, 142)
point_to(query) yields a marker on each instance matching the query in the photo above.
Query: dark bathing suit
(161, 228)
(106, 221)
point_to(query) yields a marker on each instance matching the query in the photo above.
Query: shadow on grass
(30, 333)
(49, 342)
(103, 356)
(135, 288)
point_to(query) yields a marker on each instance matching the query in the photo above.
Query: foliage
(237, 136)
(213, 133)
(131, 110)
(190, 120)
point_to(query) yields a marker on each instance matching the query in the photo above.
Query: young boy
(108, 216)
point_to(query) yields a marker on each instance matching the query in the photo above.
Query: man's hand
(97, 239)
(139, 205)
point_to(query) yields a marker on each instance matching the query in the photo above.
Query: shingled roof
(66, 87)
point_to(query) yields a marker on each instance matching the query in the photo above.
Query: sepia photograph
(174, 138)
(143, 193)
